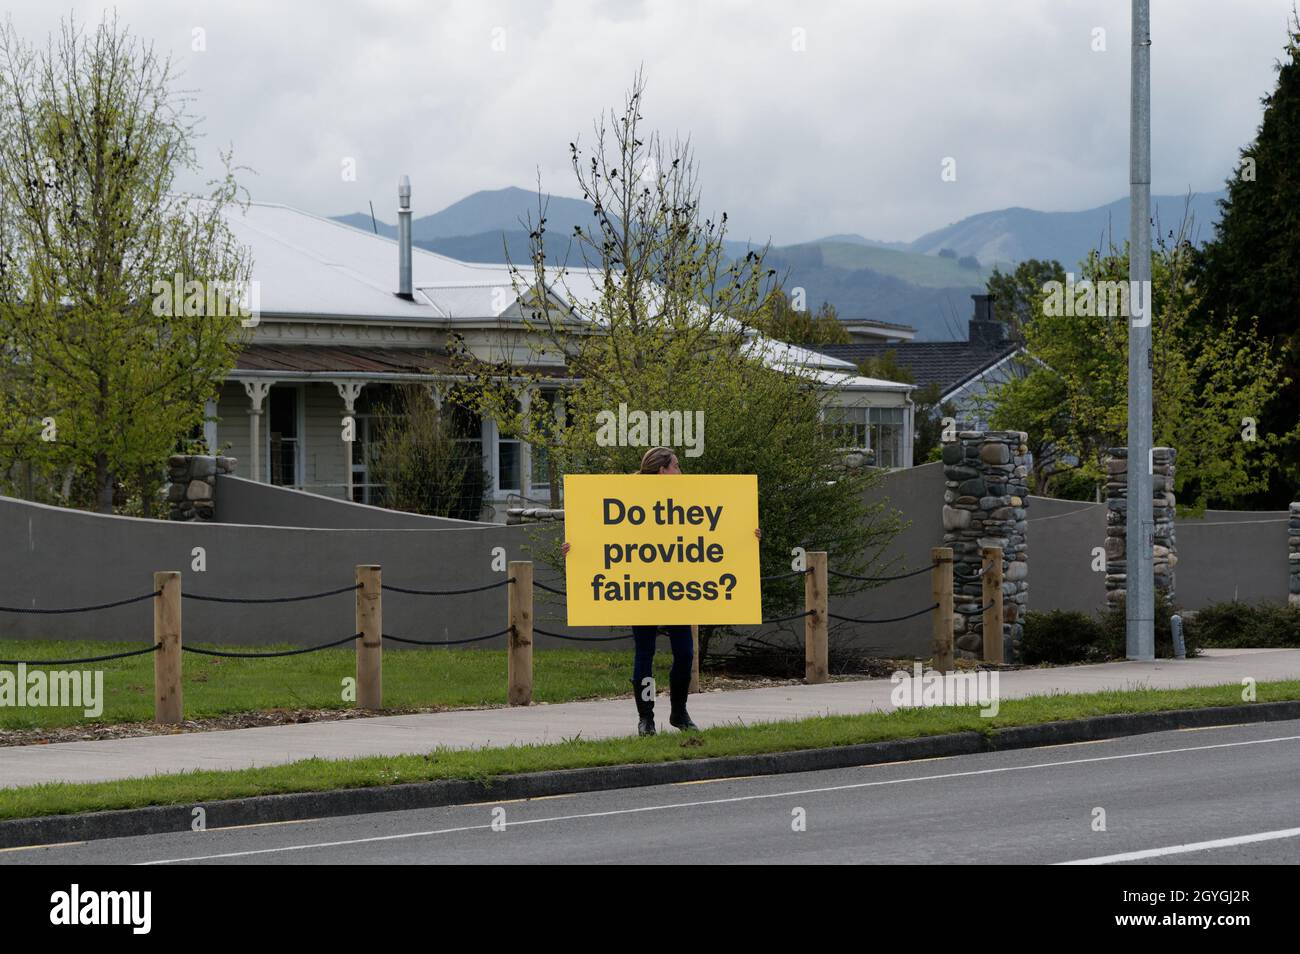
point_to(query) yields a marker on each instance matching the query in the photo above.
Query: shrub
(1061, 637)
(422, 461)
(1235, 625)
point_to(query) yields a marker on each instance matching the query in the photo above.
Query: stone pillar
(1164, 550)
(1293, 544)
(193, 491)
(985, 501)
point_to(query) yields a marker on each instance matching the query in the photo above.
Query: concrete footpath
(395, 735)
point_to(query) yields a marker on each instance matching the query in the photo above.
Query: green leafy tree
(106, 368)
(665, 322)
(1205, 382)
(1016, 294)
(777, 318)
(1249, 269)
(1036, 403)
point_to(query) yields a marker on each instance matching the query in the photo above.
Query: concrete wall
(1059, 537)
(918, 494)
(248, 502)
(273, 541)
(55, 557)
(1232, 555)
(1223, 555)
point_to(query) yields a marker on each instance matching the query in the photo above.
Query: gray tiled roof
(945, 363)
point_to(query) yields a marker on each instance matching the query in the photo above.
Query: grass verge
(413, 679)
(313, 775)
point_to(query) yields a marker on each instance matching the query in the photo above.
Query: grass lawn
(413, 678)
(319, 774)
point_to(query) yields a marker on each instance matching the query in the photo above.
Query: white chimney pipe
(404, 239)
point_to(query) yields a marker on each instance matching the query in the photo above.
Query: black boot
(678, 689)
(645, 710)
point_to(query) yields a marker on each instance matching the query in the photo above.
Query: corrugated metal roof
(267, 357)
(308, 265)
(348, 359)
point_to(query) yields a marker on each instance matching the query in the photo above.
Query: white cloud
(846, 136)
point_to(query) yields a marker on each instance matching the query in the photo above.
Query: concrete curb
(155, 820)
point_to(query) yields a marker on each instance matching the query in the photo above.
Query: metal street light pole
(1140, 581)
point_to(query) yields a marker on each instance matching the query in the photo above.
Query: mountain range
(925, 283)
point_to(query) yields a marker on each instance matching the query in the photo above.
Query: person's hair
(656, 458)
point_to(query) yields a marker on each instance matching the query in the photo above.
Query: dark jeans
(643, 661)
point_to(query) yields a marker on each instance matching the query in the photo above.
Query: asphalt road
(1227, 795)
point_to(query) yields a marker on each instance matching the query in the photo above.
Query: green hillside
(928, 271)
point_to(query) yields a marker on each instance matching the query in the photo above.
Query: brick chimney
(985, 330)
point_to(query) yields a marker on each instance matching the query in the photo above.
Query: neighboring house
(964, 371)
(344, 315)
(871, 331)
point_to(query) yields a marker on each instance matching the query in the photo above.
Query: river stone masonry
(985, 503)
(1293, 545)
(193, 491)
(1164, 549)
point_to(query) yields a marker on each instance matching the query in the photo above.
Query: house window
(283, 418)
(509, 452)
(849, 425)
(886, 427)
(467, 426)
(879, 429)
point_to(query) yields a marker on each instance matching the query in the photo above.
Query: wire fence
(368, 637)
(415, 591)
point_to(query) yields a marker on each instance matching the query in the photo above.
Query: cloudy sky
(807, 118)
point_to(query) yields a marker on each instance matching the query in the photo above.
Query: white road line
(715, 801)
(1185, 849)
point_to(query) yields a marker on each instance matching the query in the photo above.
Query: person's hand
(758, 532)
(564, 548)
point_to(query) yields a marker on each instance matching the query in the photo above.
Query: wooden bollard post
(992, 598)
(168, 704)
(695, 659)
(370, 641)
(816, 666)
(519, 655)
(941, 590)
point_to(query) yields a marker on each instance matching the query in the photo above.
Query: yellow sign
(662, 549)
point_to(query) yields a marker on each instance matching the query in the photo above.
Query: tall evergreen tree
(1252, 267)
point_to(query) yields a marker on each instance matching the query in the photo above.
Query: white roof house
(331, 330)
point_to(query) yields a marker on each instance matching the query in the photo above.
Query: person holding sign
(661, 461)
